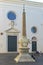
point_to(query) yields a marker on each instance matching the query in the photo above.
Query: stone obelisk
(23, 43)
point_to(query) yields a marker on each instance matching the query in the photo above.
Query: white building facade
(34, 24)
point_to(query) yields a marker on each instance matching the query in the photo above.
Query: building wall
(34, 17)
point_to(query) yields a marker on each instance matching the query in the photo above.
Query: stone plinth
(24, 51)
(24, 57)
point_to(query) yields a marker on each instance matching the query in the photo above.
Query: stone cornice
(30, 3)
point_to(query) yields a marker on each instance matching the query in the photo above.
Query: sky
(36, 0)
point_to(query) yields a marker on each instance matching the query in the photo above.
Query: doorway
(12, 43)
(34, 44)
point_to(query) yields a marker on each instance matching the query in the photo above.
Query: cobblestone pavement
(8, 59)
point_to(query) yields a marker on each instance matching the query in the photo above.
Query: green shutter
(34, 46)
(12, 43)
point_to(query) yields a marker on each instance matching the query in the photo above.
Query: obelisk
(23, 22)
(23, 43)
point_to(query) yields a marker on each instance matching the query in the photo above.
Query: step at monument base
(24, 58)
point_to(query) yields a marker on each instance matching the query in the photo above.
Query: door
(12, 43)
(34, 46)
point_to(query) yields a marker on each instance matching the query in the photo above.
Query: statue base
(24, 51)
(24, 57)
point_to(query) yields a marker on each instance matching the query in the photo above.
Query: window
(11, 15)
(33, 29)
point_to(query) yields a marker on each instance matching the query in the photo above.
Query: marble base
(25, 57)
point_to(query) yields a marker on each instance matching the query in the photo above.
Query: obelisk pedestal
(24, 51)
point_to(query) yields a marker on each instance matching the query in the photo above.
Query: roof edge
(30, 3)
